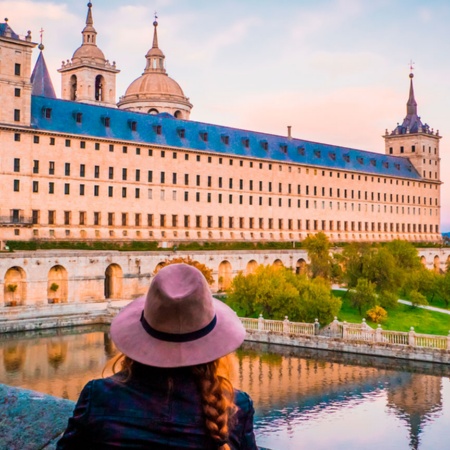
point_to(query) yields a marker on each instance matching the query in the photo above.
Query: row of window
(187, 221)
(351, 194)
(413, 149)
(220, 160)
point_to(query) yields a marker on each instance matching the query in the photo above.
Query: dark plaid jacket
(158, 409)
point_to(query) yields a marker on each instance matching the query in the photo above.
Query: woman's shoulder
(243, 401)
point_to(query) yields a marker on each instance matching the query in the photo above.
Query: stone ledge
(347, 346)
(30, 420)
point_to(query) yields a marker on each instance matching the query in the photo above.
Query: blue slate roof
(412, 122)
(40, 79)
(164, 129)
(4, 26)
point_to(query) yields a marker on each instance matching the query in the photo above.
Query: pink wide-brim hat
(178, 323)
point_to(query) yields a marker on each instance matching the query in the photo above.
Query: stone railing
(360, 332)
(281, 326)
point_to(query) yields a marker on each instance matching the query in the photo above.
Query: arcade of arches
(39, 278)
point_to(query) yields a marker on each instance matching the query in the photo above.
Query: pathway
(430, 308)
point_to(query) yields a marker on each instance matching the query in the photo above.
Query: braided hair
(217, 396)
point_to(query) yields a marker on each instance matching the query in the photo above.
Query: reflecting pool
(304, 399)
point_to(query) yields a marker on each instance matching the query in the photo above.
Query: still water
(304, 399)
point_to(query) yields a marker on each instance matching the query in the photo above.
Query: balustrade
(360, 332)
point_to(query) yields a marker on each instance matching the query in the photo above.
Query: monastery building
(84, 167)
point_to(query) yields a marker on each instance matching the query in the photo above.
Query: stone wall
(363, 348)
(96, 276)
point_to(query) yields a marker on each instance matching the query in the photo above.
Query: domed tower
(415, 140)
(89, 77)
(155, 92)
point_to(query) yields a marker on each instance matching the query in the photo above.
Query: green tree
(380, 269)
(316, 301)
(355, 257)
(318, 248)
(388, 300)
(422, 280)
(417, 299)
(405, 254)
(363, 295)
(276, 292)
(267, 291)
(443, 288)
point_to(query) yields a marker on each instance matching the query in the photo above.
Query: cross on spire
(411, 65)
(41, 34)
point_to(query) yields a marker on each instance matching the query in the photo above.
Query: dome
(154, 91)
(89, 51)
(154, 85)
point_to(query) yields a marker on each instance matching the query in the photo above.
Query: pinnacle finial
(89, 19)
(155, 34)
(411, 106)
(41, 34)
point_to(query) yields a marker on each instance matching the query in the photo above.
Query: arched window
(153, 111)
(178, 115)
(73, 87)
(99, 88)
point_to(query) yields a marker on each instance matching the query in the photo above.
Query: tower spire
(411, 106)
(155, 57)
(89, 19)
(89, 33)
(155, 33)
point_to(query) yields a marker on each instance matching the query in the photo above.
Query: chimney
(289, 132)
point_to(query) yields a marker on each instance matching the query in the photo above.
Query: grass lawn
(400, 319)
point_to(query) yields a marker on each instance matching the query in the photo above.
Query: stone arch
(73, 87)
(251, 267)
(278, 263)
(14, 357)
(423, 260)
(15, 286)
(225, 275)
(57, 285)
(113, 281)
(99, 88)
(56, 352)
(158, 267)
(300, 267)
(437, 264)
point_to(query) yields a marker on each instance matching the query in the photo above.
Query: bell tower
(415, 140)
(15, 72)
(89, 77)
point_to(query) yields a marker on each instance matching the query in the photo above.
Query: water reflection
(303, 398)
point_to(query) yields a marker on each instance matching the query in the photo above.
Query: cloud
(325, 17)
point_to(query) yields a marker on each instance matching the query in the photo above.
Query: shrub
(377, 314)
(417, 299)
(54, 287)
(205, 270)
(388, 300)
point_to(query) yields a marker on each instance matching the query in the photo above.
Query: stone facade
(68, 172)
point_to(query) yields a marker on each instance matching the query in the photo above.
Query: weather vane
(411, 65)
(41, 31)
(156, 15)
